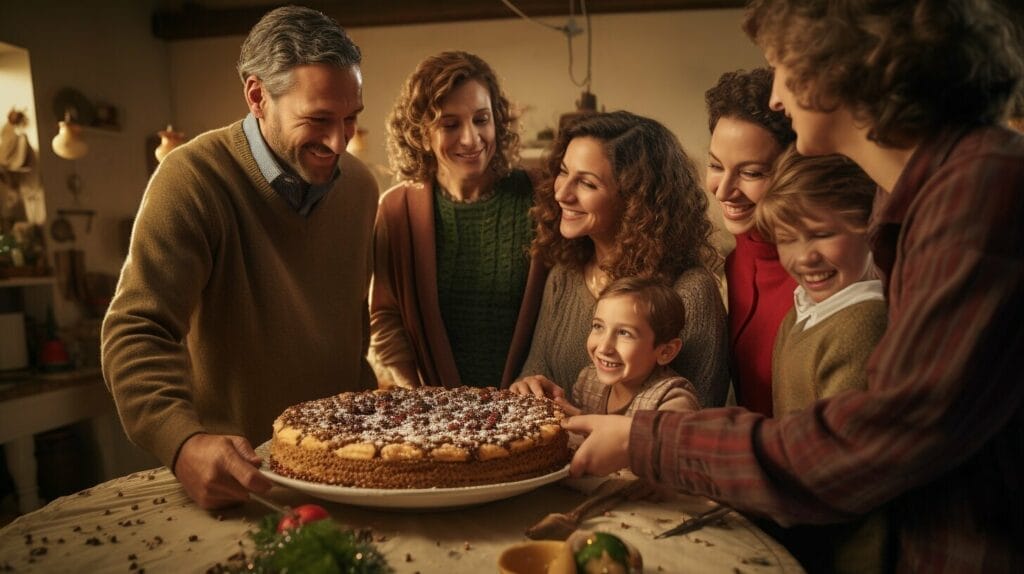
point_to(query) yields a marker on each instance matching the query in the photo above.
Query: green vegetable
(602, 552)
(315, 548)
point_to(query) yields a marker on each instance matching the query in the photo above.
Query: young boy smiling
(633, 337)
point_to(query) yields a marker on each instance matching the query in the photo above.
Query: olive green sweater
(231, 306)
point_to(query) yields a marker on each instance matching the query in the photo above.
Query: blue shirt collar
(301, 196)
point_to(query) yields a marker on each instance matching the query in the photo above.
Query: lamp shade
(68, 142)
(169, 139)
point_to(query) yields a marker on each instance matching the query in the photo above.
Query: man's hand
(219, 470)
(538, 386)
(606, 448)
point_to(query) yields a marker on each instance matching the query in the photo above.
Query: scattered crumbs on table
(466, 545)
(85, 492)
(170, 518)
(632, 513)
(757, 561)
(408, 557)
(93, 541)
(606, 513)
(663, 520)
(193, 538)
(28, 539)
(113, 539)
(150, 477)
(139, 521)
(132, 557)
(437, 543)
(38, 551)
(160, 500)
(98, 528)
(454, 554)
(220, 518)
(106, 512)
(6, 567)
(77, 529)
(660, 569)
(133, 566)
(135, 507)
(737, 571)
(125, 523)
(120, 494)
(60, 540)
(624, 526)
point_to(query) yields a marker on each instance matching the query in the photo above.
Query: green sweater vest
(482, 263)
(231, 306)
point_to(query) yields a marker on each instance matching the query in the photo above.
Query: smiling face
(462, 140)
(825, 256)
(587, 193)
(308, 126)
(739, 164)
(621, 342)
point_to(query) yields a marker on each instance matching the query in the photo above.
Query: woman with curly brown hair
(451, 242)
(622, 199)
(746, 138)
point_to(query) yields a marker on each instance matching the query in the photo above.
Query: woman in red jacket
(746, 138)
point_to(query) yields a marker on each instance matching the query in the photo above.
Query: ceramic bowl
(538, 557)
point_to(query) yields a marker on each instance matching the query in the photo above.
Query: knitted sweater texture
(231, 306)
(482, 262)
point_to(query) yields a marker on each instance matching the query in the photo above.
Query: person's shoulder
(696, 282)
(356, 177)
(398, 194)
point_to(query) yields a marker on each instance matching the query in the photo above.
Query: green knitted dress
(482, 264)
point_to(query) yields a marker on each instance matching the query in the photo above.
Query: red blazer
(760, 295)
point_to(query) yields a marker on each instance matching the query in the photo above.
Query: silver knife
(697, 522)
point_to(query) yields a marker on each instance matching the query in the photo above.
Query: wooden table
(43, 402)
(146, 519)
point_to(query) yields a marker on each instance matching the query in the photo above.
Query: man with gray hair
(245, 287)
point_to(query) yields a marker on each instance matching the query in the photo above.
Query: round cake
(420, 438)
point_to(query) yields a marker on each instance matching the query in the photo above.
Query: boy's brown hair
(661, 304)
(802, 186)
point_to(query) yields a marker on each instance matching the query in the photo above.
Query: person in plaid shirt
(916, 93)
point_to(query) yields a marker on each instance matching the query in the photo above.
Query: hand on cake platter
(219, 470)
(538, 386)
(606, 448)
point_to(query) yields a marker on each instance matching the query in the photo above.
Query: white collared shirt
(811, 313)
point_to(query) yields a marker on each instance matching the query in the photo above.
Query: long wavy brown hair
(664, 229)
(907, 68)
(418, 109)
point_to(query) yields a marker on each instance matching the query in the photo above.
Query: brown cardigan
(405, 316)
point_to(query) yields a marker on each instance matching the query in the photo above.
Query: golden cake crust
(421, 438)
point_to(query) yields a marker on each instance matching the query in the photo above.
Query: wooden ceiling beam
(195, 21)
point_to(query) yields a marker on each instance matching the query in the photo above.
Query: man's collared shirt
(300, 195)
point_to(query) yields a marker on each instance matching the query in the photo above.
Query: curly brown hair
(745, 96)
(802, 186)
(907, 68)
(664, 229)
(418, 109)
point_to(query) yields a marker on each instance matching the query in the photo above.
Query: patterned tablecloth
(145, 523)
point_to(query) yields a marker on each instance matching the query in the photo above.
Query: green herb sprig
(315, 548)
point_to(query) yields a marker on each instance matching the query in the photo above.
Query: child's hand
(538, 386)
(567, 407)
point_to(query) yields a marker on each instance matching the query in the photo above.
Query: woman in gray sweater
(623, 199)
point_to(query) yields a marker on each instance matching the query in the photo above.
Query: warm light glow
(169, 139)
(68, 142)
